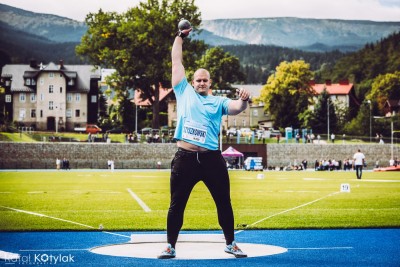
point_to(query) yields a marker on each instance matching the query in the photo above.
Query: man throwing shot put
(198, 158)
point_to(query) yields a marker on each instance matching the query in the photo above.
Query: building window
(93, 99)
(33, 82)
(51, 105)
(77, 113)
(51, 89)
(77, 97)
(41, 81)
(60, 90)
(69, 97)
(22, 114)
(8, 98)
(51, 74)
(71, 82)
(41, 97)
(33, 113)
(33, 98)
(68, 113)
(22, 97)
(28, 81)
(41, 113)
(8, 83)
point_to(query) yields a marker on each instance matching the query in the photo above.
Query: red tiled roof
(140, 102)
(333, 89)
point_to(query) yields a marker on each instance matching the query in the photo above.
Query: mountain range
(305, 34)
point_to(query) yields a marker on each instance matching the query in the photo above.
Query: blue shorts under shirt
(198, 117)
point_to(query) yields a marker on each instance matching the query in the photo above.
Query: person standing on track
(199, 116)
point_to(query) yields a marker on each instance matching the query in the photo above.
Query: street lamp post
(327, 101)
(391, 131)
(370, 121)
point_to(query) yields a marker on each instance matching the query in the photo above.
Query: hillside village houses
(51, 97)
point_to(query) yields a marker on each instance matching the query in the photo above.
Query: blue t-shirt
(198, 117)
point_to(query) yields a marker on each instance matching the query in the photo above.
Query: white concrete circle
(192, 247)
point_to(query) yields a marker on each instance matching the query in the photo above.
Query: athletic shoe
(235, 250)
(168, 253)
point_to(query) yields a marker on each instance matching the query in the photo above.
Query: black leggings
(187, 169)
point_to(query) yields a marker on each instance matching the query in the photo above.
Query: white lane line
(285, 211)
(382, 181)
(139, 201)
(61, 249)
(327, 248)
(59, 219)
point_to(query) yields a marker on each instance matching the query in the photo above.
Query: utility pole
(327, 102)
(370, 120)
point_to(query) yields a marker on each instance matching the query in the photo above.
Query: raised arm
(178, 70)
(240, 104)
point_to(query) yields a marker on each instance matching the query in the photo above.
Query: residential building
(391, 106)
(341, 94)
(51, 97)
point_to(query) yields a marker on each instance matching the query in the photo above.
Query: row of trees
(137, 44)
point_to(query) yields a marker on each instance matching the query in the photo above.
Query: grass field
(282, 200)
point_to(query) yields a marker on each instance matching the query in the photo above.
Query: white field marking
(285, 211)
(327, 248)
(59, 219)
(36, 192)
(139, 201)
(314, 179)
(148, 176)
(300, 191)
(46, 216)
(382, 181)
(93, 191)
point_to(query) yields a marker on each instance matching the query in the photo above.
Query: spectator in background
(316, 165)
(359, 160)
(381, 139)
(58, 163)
(304, 162)
(333, 138)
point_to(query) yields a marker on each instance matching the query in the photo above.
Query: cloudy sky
(376, 10)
